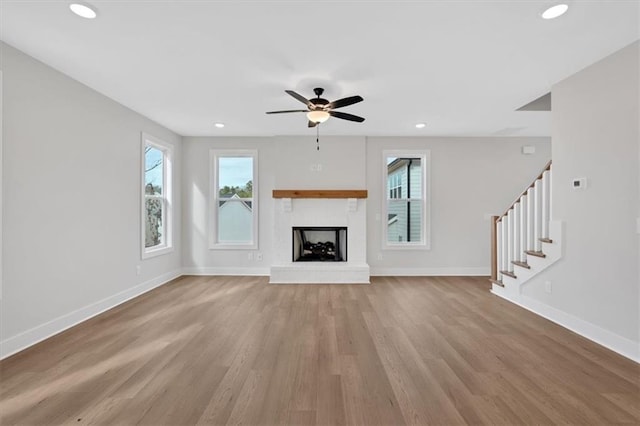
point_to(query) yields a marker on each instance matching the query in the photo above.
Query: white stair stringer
(553, 252)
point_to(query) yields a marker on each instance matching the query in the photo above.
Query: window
(156, 197)
(395, 186)
(233, 208)
(405, 206)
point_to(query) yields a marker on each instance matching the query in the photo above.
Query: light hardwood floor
(236, 350)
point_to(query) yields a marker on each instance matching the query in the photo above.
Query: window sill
(159, 251)
(227, 246)
(417, 246)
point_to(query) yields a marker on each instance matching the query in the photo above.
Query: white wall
(469, 178)
(283, 163)
(71, 211)
(595, 135)
(468, 181)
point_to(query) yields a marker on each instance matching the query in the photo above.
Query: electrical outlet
(579, 183)
(379, 256)
(528, 149)
(138, 270)
(259, 257)
(250, 256)
(547, 286)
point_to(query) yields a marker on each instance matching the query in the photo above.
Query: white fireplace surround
(347, 212)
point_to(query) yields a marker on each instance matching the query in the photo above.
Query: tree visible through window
(156, 207)
(234, 212)
(154, 204)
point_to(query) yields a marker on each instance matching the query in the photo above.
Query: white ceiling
(463, 67)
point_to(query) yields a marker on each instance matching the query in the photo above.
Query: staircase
(524, 241)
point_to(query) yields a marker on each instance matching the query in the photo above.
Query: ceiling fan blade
(289, 110)
(312, 124)
(299, 97)
(345, 116)
(344, 102)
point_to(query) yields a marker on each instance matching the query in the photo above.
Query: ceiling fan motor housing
(318, 103)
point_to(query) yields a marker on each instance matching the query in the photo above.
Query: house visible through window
(395, 186)
(234, 218)
(405, 207)
(156, 207)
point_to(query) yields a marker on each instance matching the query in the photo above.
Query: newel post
(494, 247)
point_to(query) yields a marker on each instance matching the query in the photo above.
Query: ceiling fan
(319, 110)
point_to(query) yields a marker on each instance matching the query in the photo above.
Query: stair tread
(521, 264)
(546, 240)
(535, 253)
(509, 274)
(497, 282)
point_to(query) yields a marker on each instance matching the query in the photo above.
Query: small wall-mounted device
(579, 183)
(528, 149)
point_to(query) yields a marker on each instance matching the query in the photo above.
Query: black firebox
(319, 244)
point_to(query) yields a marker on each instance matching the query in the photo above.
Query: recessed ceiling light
(219, 125)
(83, 10)
(421, 126)
(555, 11)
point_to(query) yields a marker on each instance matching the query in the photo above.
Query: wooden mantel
(320, 193)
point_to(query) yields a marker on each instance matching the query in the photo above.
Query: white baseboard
(225, 270)
(426, 272)
(374, 271)
(621, 345)
(41, 332)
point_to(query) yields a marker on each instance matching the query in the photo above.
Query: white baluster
(516, 232)
(530, 218)
(538, 216)
(504, 250)
(499, 249)
(509, 265)
(545, 204)
(524, 231)
(550, 194)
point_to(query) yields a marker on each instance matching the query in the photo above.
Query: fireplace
(322, 216)
(319, 244)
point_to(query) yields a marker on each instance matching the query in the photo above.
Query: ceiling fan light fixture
(83, 10)
(318, 116)
(555, 11)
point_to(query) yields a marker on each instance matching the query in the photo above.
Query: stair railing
(521, 229)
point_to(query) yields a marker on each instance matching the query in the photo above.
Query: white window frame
(425, 158)
(214, 155)
(167, 196)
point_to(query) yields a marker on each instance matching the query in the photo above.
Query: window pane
(235, 221)
(415, 182)
(404, 178)
(404, 221)
(235, 177)
(153, 222)
(153, 170)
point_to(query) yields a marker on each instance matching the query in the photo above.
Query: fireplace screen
(319, 244)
